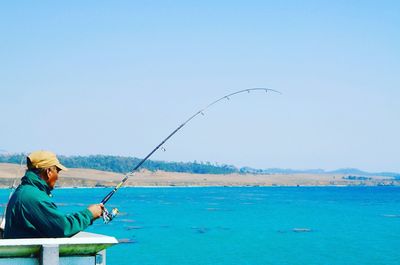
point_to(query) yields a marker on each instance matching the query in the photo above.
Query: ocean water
(247, 225)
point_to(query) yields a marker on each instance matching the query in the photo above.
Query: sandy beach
(78, 177)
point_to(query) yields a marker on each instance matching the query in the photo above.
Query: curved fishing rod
(108, 216)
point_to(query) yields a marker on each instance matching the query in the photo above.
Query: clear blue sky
(116, 77)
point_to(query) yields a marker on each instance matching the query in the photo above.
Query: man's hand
(96, 210)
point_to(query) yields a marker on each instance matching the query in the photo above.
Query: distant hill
(123, 164)
(342, 171)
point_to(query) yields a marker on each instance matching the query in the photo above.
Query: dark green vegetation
(357, 178)
(123, 164)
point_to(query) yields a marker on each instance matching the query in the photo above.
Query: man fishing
(31, 212)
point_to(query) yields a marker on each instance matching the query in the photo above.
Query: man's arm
(51, 222)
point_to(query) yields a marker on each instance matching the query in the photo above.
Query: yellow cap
(44, 159)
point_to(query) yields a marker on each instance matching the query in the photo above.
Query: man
(31, 212)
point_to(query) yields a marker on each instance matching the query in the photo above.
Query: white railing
(82, 249)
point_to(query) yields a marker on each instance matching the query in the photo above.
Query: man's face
(52, 177)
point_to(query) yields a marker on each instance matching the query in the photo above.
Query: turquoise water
(248, 225)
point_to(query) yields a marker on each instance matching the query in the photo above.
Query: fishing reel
(109, 216)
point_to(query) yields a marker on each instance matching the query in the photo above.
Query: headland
(79, 177)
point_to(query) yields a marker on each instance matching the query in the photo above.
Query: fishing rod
(108, 216)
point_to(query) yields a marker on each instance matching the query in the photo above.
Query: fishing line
(108, 216)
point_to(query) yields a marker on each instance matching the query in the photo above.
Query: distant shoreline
(78, 177)
(247, 186)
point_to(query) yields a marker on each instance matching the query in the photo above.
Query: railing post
(49, 255)
(101, 257)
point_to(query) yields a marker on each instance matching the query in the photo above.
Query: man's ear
(47, 173)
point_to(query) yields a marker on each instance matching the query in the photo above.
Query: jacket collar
(33, 179)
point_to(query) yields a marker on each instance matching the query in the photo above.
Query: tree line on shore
(123, 164)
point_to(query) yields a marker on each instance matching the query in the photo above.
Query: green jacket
(31, 213)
